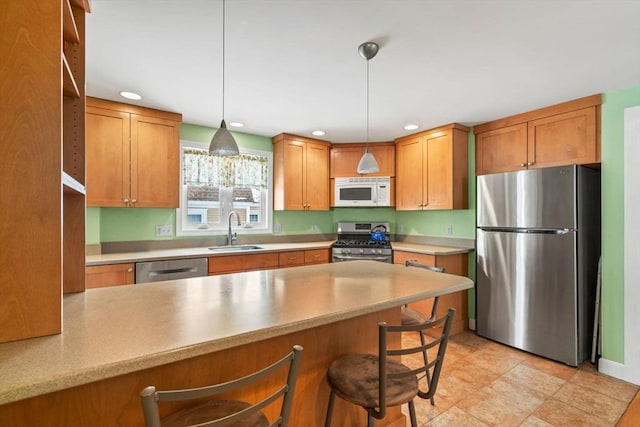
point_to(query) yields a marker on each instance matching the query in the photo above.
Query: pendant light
(222, 143)
(367, 163)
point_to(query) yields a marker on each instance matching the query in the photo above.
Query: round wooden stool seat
(355, 378)
(410, 317)
(212, 410)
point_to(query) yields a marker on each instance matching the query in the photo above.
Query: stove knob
(361, 251)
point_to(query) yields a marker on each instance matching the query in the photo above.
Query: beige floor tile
(613, 387)
(591, 402)
(455, 417)
(534, 421)
(551, 367)
(471, 371)
(559, 414)
(486, 383)
(533, 379)
(497, 404)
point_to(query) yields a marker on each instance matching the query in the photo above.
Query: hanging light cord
(367, 102)
(223, 44)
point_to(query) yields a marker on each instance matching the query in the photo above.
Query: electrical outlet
(164, 231)
(314, 228)
(400, 228)
(449, 229)
(277, 228)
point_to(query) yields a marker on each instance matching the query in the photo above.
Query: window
(213, 186)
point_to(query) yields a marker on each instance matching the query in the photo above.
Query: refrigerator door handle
(527, 230)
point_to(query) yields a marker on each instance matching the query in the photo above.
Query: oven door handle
(365, 258)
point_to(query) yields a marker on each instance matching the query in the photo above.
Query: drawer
(316, 256)
(289, 259)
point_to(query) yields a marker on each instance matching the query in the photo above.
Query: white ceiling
(293, 66)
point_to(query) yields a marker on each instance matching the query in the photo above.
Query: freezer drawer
(156, 271)
(527, 292)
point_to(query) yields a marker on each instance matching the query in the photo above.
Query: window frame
(268, 210)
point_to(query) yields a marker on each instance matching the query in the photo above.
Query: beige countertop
(119, 330)
(429, 249)
(153, 255)
(164, 254)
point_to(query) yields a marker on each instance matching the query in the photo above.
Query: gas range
(362, 240)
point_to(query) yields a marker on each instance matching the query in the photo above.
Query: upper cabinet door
(317, 177)
(501, 150)
(300, 173)
(133, 155)
(107, 157)
(409, 174)
(294, 175)
(563, 139)
(437, 193)
(345, 159)
(155, 163)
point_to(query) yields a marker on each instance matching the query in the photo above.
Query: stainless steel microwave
(363, 191)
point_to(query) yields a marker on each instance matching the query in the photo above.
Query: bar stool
(377, 381)
(225, 412)
(409, 316)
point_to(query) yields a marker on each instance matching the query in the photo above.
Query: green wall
(612, 305)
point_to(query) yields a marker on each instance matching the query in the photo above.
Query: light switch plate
(164, 231)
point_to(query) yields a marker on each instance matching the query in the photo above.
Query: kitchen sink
(234, 248)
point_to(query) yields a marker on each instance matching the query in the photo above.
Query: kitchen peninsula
(192, 332)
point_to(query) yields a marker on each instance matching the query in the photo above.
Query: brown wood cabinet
(432, 169)
(263, 261)
(301, 173)
(345, 159)
(132, 155)
(306, 257)
(100, 276)
(240, 263)
(562, 134)
(42, 172)
(452, 264)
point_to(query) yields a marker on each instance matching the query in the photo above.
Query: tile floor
(484, 383)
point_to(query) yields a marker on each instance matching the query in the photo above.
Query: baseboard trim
(618, 370)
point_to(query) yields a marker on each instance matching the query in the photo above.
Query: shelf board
(69, 86)
(70, 184)
(69, 28)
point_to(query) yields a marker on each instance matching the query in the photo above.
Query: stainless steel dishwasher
(156, 271)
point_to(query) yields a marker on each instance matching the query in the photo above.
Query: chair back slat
(434, 366)
(151, 397)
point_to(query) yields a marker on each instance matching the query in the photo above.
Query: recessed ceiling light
(236, 124)
(318, 132)
(130, 95)
(411, 127)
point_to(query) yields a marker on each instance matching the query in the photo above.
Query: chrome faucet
(232, 237)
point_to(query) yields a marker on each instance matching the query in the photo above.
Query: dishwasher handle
(173, 270)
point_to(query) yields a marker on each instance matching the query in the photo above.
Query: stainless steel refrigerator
(538, 243)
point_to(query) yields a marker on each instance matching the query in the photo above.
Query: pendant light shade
(222, 143)
(367, 163)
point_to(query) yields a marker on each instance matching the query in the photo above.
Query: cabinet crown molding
(565, 107)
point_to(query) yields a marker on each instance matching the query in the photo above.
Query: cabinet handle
(126, 201)
(523, 165)
(134, 201)
(292, 258)
(129, 270)
(530, 163)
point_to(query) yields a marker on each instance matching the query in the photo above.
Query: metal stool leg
(327, 420)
